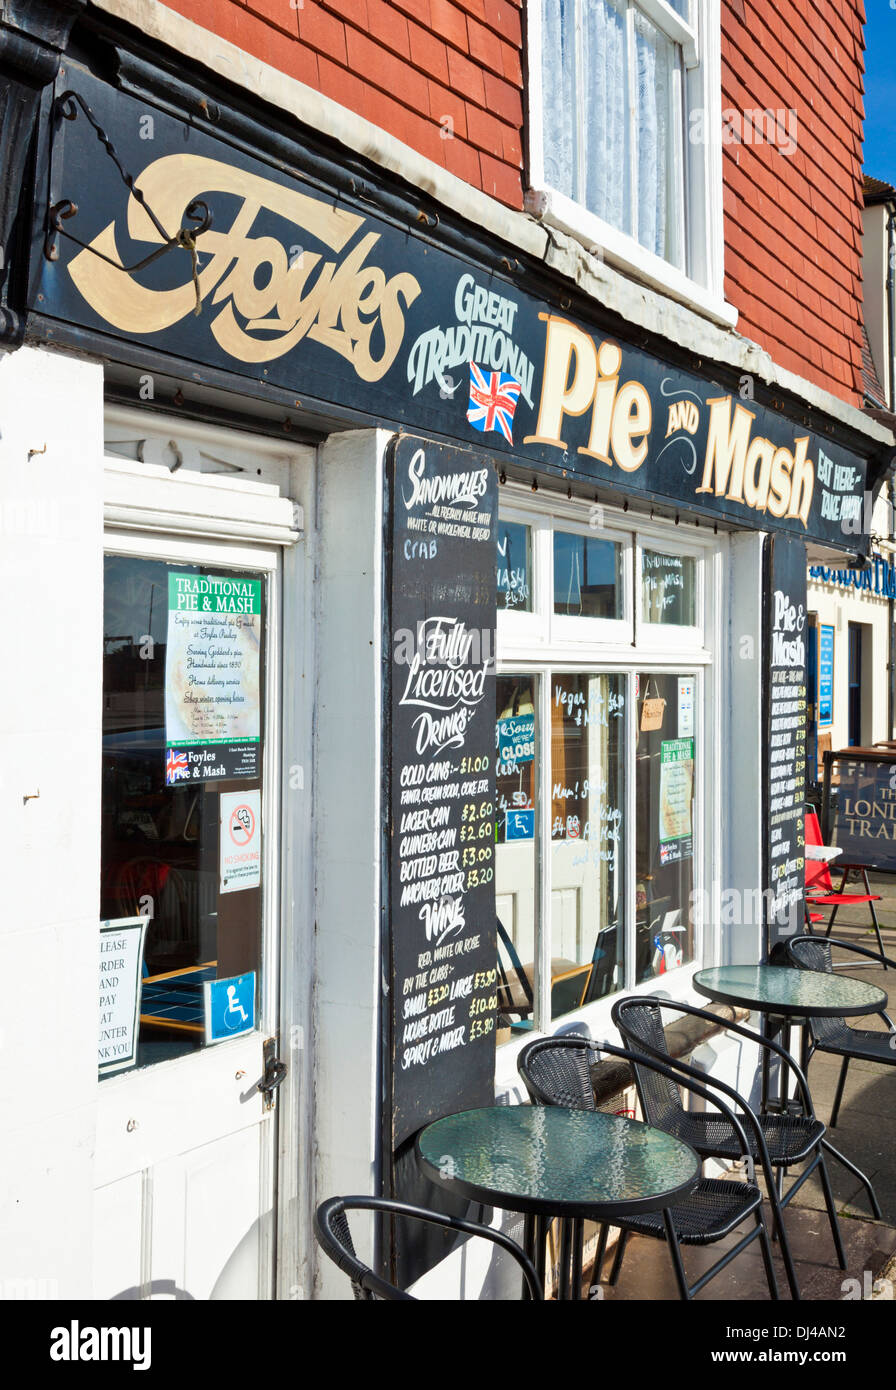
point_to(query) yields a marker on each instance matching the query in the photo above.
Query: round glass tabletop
(785, 991)
(550, 1160)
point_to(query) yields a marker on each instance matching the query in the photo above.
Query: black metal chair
(334, 1237)
(835, 1035)
(790, 1134)
(557, 1071)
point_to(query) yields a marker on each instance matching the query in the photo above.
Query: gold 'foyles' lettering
(288, 294)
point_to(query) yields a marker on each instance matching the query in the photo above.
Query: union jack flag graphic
(176, 766)
(493, 399)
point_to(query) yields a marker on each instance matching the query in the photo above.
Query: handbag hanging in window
(652, 711)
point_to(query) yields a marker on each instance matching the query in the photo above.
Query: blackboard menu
(860, 810)
(785, 736)
(444, 510)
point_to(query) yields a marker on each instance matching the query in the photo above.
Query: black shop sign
(859, 813)
(784, 741)
(228, 262)
(440, 751)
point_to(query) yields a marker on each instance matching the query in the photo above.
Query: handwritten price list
(442, 814)
(786, 738)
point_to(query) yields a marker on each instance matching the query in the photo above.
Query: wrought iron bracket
(65, 107)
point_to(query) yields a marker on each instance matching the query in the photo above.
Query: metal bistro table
(784, 996)
(548, 1161)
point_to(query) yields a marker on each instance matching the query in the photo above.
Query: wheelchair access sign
(229, 1007)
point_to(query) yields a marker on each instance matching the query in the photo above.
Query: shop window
(600, 772)
(514, 567)
(181, 849)
(516, 837)
(587, 815)
(664, 821)
(668, 589)
(587, 577)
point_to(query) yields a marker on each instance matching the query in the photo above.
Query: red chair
(820, 891)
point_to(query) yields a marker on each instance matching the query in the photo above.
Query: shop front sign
(441, 752)
(878, 577)
(784, 741)
(859, 813)
(226, 263)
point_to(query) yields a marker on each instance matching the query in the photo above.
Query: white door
(186, 1143)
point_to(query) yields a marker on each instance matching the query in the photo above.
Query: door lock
(274, 1073)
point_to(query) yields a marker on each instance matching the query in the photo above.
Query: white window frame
(701, 285)
(535, 647)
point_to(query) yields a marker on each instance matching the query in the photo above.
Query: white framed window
(604, 738)
(670, 593)
(625, 136)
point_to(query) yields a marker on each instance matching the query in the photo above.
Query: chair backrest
(641, 1025)
(814, 953)
(811, 953)
(818, 875)
(332, 1232)
(604, 964)
(553, 1085)
(506, 1001)
(569, 989)
(557, 1071)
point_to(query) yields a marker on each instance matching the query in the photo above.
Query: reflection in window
(664, 823)
(587, 838)
(587, 576)
(515, 852)
(162, 832)
(514, 567)
(667, 589)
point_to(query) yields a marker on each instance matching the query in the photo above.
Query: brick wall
(793, 234)
(444, 76)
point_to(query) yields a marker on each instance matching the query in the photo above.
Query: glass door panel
(182, 783)
(665, 781)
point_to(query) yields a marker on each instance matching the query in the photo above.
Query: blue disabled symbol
(229, 1007)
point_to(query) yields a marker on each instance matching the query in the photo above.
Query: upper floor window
(625, 133)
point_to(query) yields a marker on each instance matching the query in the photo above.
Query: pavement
(865, 1133)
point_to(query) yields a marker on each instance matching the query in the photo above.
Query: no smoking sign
(242, 824)
(240, 841)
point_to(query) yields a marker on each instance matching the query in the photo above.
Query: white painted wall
(295, 1177)
(741, 942)
(347, 790)
(51, 520)
(874, 278)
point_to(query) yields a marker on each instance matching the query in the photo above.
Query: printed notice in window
(676, 799)
(212, 688)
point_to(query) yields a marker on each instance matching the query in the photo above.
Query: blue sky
(880, 90)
